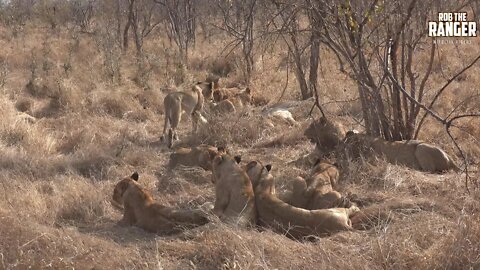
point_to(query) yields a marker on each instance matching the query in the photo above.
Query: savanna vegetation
(82, 84)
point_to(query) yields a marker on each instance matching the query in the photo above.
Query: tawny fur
(234, 197)
(326, 134)
(198, 156)
(189, 102)
(330, 136)
(296, 222)
(317, 190)
(414, 154)
(384, 212)
(238, 97)
(142, 211)
(222, 107)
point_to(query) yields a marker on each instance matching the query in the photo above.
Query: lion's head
(121, 187)
(326, 134)
(208, 154)
(265, 183)
(222, 164)
(255, 170)
(321, 165)
(198, 156)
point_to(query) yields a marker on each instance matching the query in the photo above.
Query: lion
(330, 136)
(142, 211)
(239, 98)
(223, 107)
(326, 134)
(235, 199)
(414, 154)
(295, 222)
(225, 93)
(254, 170)
(317, 190)
(189, 102)
(198, 156)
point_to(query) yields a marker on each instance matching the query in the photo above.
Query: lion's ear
(248, 91)
(221, 149)
(134, 176)
(238, 159)
(268, 167)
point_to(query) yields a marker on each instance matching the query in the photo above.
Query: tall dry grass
(58, 169)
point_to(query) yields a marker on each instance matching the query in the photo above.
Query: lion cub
(233, 190)
(223, 107)
(296, 222)
(317, 190)
(198, 156)
(142, 211)
(236, 97)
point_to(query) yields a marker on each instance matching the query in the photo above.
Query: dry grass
(57, 172)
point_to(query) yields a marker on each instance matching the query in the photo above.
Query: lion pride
(142, 211)
(296, 222)
(234, 197)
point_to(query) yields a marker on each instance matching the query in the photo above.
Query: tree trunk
(119, 21)
(129, 23)
(299, 72)
(314, 57)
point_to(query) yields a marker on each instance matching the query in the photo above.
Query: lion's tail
(453, 166)
(383, 213)
(370, 217)
(191, 217)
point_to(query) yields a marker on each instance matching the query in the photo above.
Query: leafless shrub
(223, 66)
(83, 13)
(111, 51)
